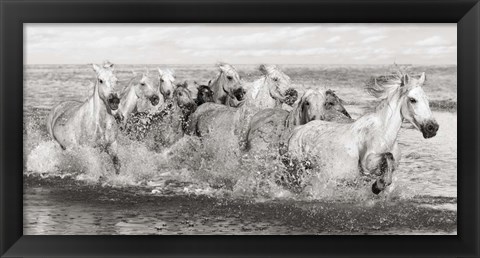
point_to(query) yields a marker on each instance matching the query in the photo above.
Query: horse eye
(162, 80)
(275, 79)
(180, 94)
(229, 77)
(412, 100)
(143, 84)
(307, 103)
(100, 80)
(328, 104)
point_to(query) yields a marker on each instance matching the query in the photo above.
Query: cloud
(373, 39)
(432, 41)
(371, 30)
(333, 39)
(440, 50)
(341, 28)
(241, 43)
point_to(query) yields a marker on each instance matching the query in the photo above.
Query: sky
(240, 43)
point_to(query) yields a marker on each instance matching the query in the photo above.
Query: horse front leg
(384, 169)
(112, 150)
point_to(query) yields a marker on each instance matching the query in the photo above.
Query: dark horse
(204, 94)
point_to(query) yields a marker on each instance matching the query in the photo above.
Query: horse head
(334, 103)
(279, 84)
(182, 97)
(167, 79)
(204, 94)
(106, 85)
(145, 88)
(415, 106)
(229, 83)
(413, 101)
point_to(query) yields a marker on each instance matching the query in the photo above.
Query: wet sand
(67, 206)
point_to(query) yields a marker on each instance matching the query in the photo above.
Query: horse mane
(383, 87)
(272, 71)
(297, 115)
(133, 81)
(183, 85)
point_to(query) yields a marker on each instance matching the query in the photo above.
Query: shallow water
(193, 189)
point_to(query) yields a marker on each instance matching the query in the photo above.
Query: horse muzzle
(113, 102)
(291, 95)
(154, 100)
(239, 94)
(429, 129)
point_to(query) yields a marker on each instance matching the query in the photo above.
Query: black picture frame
(13, 13)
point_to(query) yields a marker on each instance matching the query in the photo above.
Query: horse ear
(108, 65)
(263, 69)
(405, 80)
(160, 72)
(423, 78)
(222, 67)
(209, 82)
(134, 73)
(96, 68)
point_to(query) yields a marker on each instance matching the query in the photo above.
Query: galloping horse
(140, 90)
(267, 126)
(266, 92)
(227, 87)
(92, 122)
(166, 82)
(369, 145)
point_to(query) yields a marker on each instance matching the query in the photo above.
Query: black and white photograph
(240, 129)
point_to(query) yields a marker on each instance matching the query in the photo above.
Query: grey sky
(241, 43)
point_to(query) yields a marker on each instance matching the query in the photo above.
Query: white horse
(92, 122)
(166, 82)
(369, 145)
(267, 126)
(164, 128)
(140, 92)
(266, 92)
(227, 86)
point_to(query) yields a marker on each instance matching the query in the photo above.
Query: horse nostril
(154, 100)
(432, 128)
(114, 100)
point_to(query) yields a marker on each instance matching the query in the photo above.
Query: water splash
(213, 165)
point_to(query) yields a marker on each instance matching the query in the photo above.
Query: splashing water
(213, 165)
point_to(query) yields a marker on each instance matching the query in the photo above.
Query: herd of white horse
(311, 133)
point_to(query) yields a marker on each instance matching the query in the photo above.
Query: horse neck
(291, 120)
(390, 118)
(129, 101)
(217, 88)
(98, 108)
(260, 95)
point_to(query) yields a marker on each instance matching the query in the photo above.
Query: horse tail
(51, 120)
